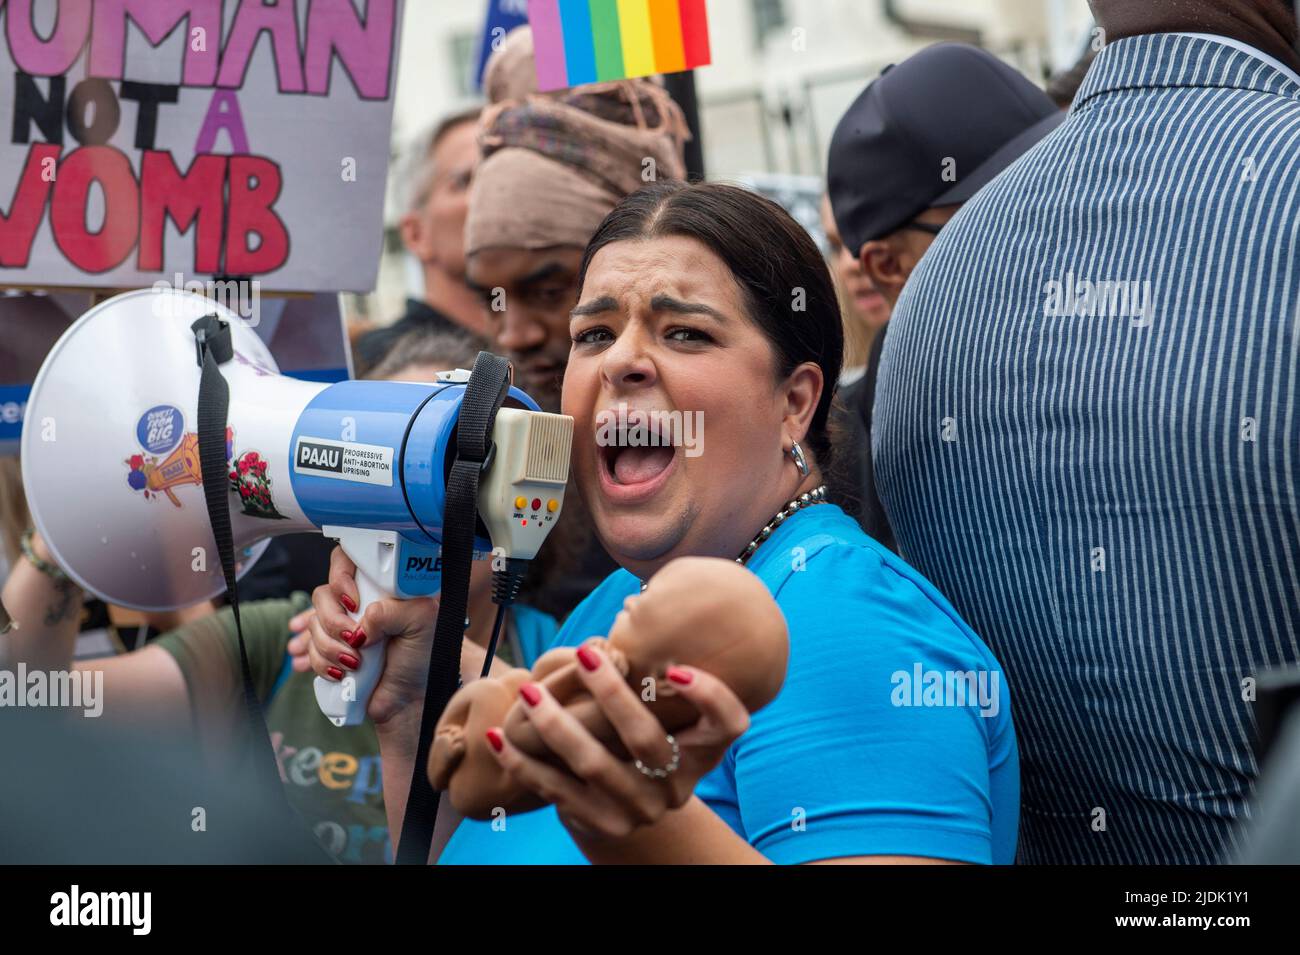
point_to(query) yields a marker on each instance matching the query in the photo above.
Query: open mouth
(630, 466)
(635, 463)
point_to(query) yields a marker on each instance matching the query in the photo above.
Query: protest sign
(164, 140)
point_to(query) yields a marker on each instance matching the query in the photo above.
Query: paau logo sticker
(344, 460)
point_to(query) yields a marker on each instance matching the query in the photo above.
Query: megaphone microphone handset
(110, 464)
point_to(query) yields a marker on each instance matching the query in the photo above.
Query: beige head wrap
(556, 163)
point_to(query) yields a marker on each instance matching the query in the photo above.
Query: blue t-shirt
(892, 734)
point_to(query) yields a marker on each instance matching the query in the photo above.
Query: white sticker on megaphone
(344, 461)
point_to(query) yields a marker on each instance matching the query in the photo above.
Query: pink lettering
(254, 19)
(54, 56)
(365, 49)
(156, 21)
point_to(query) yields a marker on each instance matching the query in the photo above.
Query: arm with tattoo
(45, 612)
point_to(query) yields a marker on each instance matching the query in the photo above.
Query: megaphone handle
(344, 702)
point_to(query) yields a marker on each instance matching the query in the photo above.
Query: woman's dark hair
(788, 289)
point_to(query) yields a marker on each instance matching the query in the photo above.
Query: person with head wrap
(554, 165)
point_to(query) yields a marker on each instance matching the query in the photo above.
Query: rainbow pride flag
(589, 41)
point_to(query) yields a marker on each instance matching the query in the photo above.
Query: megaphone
(110, 465)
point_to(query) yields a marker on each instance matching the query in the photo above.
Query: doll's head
(708, 613)
(473, 784)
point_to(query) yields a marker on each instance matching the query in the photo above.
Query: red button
(537, 504)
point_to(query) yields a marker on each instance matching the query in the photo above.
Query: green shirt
(331, 774)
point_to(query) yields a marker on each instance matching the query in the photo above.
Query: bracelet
(53, 571)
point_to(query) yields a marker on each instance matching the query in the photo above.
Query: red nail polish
(588, 659)
(532, 696)
(354, 638)
(494, 737)
(335, 672)
(349, 661)
(680, 676)
(348, 603)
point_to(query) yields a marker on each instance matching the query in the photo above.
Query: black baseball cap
(949, 101)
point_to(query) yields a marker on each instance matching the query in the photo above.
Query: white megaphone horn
(111, 467)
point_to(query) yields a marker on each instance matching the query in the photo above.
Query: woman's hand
(610, 798)
(336, 642)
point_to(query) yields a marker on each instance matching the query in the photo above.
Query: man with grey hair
(434, 192)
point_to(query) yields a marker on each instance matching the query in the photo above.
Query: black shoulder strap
(484, 395)
(213, 348)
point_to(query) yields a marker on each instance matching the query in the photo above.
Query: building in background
(783, 73)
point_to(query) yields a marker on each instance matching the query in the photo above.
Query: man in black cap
(917, 143)
(922, 139)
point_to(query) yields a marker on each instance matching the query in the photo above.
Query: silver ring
(666, 770)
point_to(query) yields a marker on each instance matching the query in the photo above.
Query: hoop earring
(800, 461)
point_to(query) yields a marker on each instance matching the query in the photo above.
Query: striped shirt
(1086, 436)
